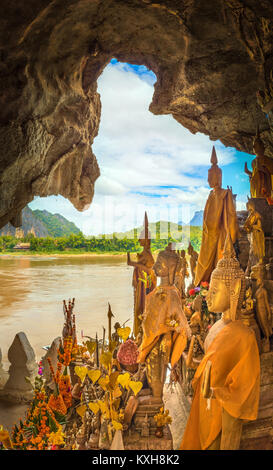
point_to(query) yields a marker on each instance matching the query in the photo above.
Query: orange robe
(219, 216)
(235, 379)
(162, 305)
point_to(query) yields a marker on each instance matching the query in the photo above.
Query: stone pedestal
(134, 441)
(258, 435)
(22, 359)
(147, 408)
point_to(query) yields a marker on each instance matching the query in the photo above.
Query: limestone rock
(22, 359)
(52, 353)
(211, 59)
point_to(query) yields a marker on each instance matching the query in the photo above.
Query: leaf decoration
(117, 392)
(94, 407)
(104, 381)
(94, 375)
(124, 379)
(113, 378)
(124, 332)
(106, 358)
(135, 386)
(81, 410)
(117, 425)
(104, 409)
(91, 346)
(81, 372)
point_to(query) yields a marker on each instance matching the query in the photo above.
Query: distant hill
(29, 221)
(197, 219)
(56, 224)
(43, 223)
(167, 229)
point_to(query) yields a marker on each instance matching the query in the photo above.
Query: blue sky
(147, 162)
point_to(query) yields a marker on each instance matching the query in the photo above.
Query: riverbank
(81, 254)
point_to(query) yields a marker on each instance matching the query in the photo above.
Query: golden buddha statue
(193, 260)
(219, 217)
(181, 273)
(263, 310)
(144, 264)
(253, 225)
(165, 327)
(262, 170)
(227, 382)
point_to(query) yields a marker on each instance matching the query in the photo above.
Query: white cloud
(147, 162)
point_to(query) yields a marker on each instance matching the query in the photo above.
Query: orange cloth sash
(235, 379)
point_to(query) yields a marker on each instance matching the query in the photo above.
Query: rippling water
(32, 290)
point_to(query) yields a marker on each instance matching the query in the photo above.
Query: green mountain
(42, 224)
(56, 224)
(163, 230)
(29, 222)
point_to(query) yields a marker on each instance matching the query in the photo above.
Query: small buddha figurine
(165, 327)
(219, 214)
(115, 336)
(193, 260)
(181, 273)
(253, 225)
(262, 170)
(144, 263)
(263, 310)
(227, 382)
(247, 315)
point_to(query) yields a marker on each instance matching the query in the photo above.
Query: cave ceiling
(213, 60)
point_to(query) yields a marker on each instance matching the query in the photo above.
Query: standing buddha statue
(165, 327)
(262, 170)
(253, 225)
(227, 382)
(143, 266)
(193, 260)
(219, 218)
(263, 310)
(181, 273)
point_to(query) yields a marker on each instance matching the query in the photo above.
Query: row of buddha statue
(226, 382)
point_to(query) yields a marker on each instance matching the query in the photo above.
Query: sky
(147, 162)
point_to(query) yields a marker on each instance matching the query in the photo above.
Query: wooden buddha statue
(262, 170)
(219, 217)
(227, 382)
(144, 264)
(165, 327)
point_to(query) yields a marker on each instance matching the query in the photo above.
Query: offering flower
(128, 353)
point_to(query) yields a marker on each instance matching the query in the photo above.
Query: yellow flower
(56, 438)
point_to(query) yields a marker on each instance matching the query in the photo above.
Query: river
(32, 289)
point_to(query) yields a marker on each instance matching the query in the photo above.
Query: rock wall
(210, 58)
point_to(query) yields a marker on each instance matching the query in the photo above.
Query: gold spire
(229, 251)
(213, 158)
(146, 226)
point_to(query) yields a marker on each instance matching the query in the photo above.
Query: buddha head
(227, 284)
(166, 264)
(258, 146)
(214, 173)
